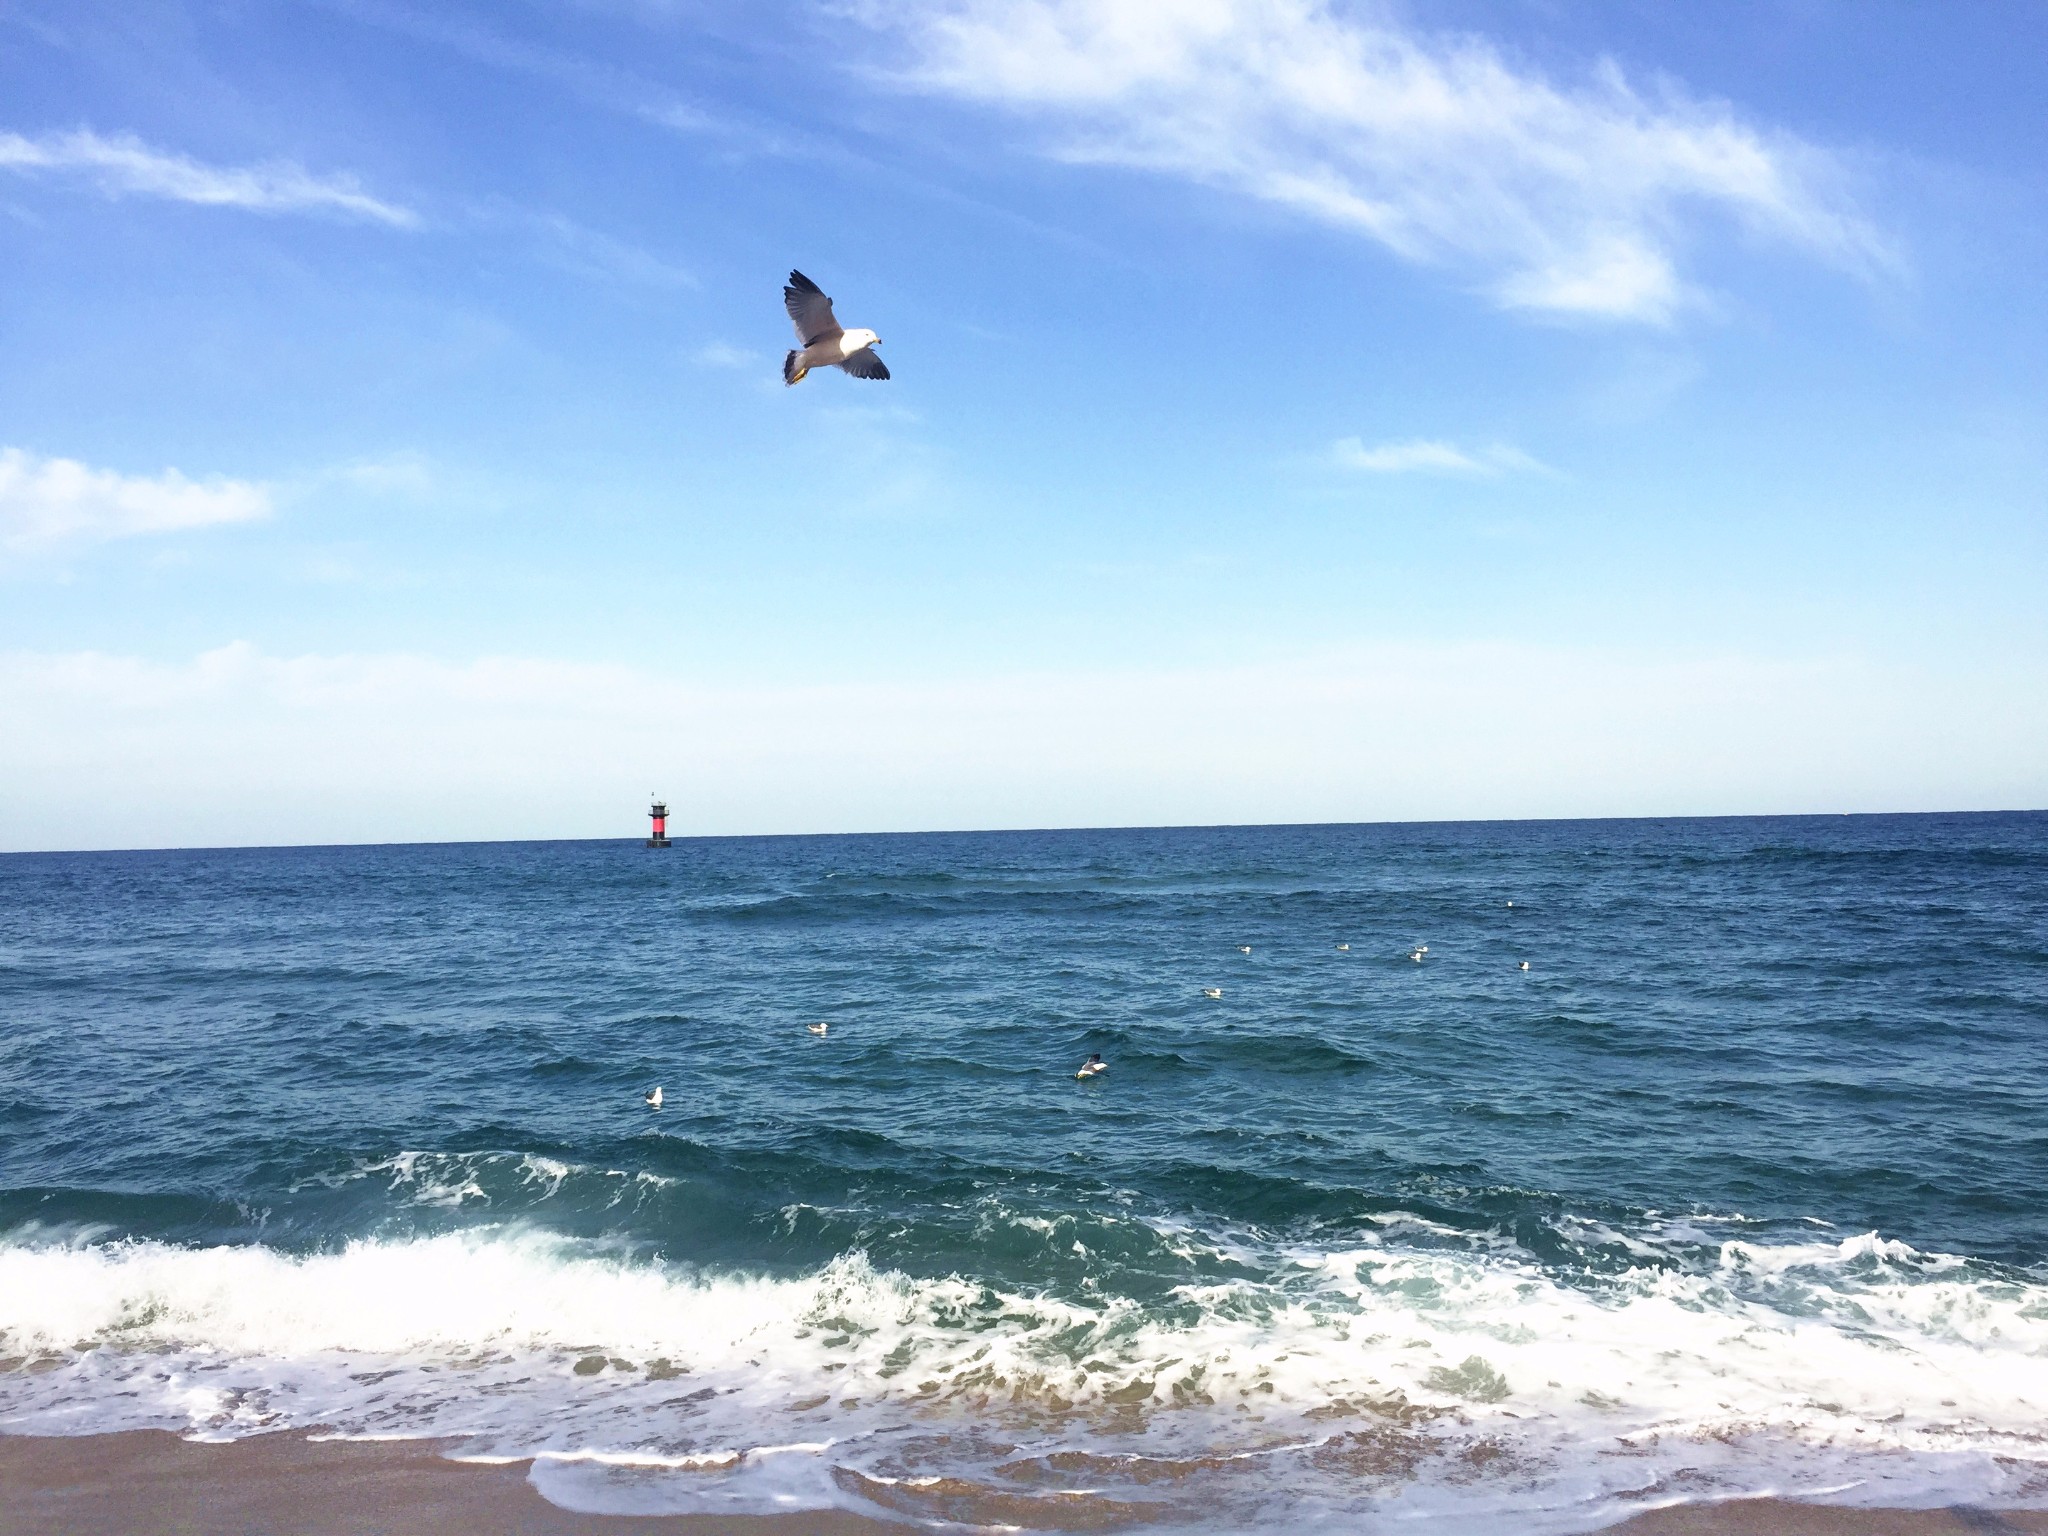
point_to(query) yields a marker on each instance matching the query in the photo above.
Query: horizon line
(1220, 826)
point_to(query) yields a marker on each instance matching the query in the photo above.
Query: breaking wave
(1385, 1378)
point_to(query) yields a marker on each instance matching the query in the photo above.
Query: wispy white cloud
(592, 253)
(600, 84)
(1563, 199)
(45, 502)
(723, 354)
(1432, 456)
(122, 165)
(404, 474)
(878, 461)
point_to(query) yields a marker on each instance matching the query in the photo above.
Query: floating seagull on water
(1212, 991)
(818, 1029)
(1511, 903)
(1244, 949)
(1343, 946)
(1525, 965)
(1416, 955)
(1094, 1066)
(824, 344)
(652, 1100)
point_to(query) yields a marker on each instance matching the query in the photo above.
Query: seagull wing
(864, 364)
(809, 310)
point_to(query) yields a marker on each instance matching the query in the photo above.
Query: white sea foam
(491, 1179)
(1912, 1377)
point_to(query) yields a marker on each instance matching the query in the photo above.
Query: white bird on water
(823, 343)
(1094, 1066)
(1525, 965)
(818, 1028)
(1212, 991)
(1416, 955)
(1343, 946)
(1244, 949)
(652, 1099)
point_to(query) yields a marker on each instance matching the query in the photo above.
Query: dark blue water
(1753, 1152)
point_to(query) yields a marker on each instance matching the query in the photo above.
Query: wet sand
(150, 1483)
(1774, 1517)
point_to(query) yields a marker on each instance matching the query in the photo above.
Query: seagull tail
(792, 371)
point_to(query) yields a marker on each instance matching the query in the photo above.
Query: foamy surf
(1375, 1379)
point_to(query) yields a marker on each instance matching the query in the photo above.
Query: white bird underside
(822, 341)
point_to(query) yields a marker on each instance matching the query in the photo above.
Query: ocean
(1741, 1185)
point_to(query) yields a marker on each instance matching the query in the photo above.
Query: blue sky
(1301, 412)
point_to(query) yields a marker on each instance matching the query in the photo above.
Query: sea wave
(1385, 1377)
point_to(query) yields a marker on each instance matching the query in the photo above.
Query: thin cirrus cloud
(121, 165)
(1568, 200)
(50, 502)
(1430, 456)
(723, 354)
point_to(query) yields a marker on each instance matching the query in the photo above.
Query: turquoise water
(1737, 1187)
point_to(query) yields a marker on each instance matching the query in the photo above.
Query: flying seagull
(825, 345)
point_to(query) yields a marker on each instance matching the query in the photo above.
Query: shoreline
(149, 1482)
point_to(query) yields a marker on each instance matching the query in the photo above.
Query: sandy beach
(150, 1483)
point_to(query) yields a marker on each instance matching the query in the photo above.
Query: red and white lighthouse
(659, 812)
